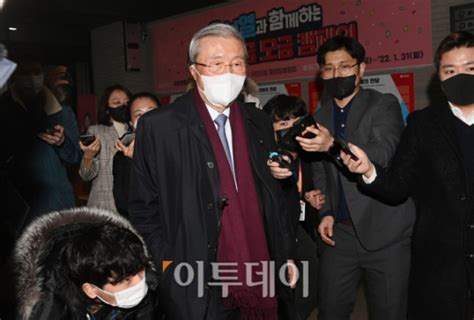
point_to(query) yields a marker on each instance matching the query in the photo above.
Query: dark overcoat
(429, 166)
(176, 205)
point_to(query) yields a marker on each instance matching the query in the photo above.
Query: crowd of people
(210, 208)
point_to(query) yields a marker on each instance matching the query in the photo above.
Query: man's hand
(362, 166)
(325, 229)
(127, 150)
(55, 138)
(292, 273)
(315, 198)
(277, 171)
(321, 143)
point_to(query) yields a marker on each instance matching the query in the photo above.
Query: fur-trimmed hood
(34, 244)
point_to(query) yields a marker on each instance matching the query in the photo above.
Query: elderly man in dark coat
(202, 195)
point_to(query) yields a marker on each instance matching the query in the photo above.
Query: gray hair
(221, 30)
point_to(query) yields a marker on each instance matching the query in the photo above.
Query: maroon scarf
(242, 236)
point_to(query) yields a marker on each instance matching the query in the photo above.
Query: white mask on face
(128, 298)
(221, 90)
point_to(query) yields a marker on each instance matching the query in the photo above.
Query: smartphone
(51, 130)
(127, 138)
(300, 127)
(342, 145)
(87, 139)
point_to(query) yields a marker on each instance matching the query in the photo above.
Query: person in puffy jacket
(84, 264)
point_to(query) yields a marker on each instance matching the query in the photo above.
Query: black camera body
(288, 140)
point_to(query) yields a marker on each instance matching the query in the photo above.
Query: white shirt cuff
(372, 177)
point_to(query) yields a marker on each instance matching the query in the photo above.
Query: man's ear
(193, 72)
(89, 290)
(362, 69)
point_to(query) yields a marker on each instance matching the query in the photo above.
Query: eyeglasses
(238, 66)
(328, 70)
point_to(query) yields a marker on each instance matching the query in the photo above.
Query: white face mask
(221, 90)
(128, 298)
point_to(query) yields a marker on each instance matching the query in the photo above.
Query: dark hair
(96, 253)
(103, 114)
(147, 95)
(351, 45)
(285, 107)
(103, 253)
(454, 40)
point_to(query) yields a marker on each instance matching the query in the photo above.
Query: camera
(287, 140)
(278, 157)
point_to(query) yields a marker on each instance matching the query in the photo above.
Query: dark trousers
(306, 291)
(342, 267)
(217, 310)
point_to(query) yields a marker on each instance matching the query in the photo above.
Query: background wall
(108, 60)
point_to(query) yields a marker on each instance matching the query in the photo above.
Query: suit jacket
(174, 198)
(375, 124)
(428, 166)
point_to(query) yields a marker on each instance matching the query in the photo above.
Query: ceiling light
(11, 28)
(2, 2)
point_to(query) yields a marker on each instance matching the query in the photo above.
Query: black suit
(429, 167)
(174, 197)
(377, 244)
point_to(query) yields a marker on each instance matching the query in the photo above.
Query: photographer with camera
(363, 236)
(286, 111)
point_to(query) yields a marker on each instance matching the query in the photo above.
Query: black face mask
(340, 87)
(285, 140)
(119, 114)
(459, 89)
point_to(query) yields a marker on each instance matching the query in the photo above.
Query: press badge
(302, 210)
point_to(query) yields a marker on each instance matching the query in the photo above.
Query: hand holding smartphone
(342, 145)
(52, 130)
(127, 138)
(87, 139)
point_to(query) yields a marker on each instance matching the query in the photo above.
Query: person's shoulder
(252, 111)
(428, 113)
(171, 116)
(100, 129)
(378, 97)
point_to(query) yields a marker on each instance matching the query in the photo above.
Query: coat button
(210, 206)
(470, 226)
(470, 256)
(463, 197)
(210, 165)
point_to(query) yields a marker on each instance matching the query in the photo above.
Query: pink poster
(283, 36)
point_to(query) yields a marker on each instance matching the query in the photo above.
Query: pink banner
(283, 36)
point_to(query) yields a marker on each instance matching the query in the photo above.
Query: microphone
(223, 201)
